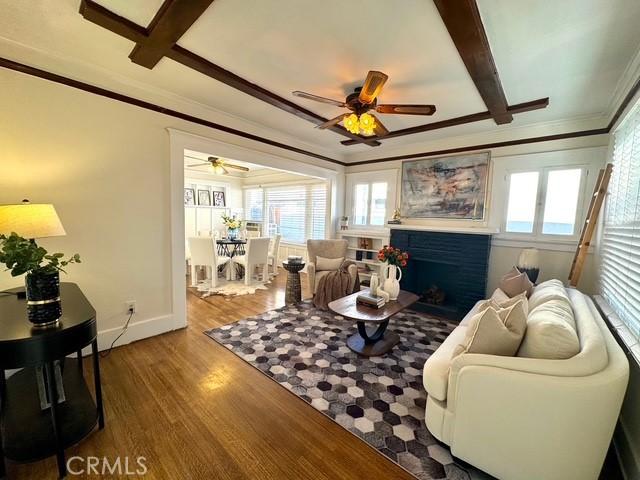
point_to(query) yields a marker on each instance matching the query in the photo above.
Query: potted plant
(42, 279)
(395, 260)
(232, 224)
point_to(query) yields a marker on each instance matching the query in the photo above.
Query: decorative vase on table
(391, 284)
(232, 233)
(43, 298)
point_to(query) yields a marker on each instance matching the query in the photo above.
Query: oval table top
(349, 308)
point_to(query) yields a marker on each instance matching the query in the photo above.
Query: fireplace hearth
(448, 270)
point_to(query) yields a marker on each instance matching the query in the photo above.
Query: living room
(475, 139)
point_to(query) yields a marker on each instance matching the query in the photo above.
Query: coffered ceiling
(578, 53)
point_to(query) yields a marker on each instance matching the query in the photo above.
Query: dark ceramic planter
(43, 298)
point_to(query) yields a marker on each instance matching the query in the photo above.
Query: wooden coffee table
(380, 341)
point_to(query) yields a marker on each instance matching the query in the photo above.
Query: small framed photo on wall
(218, 199)
(189, 196)
(204, 197)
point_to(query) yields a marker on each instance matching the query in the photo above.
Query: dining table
(231, 247)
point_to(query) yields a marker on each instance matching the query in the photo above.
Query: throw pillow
(499, 296)
(516, 282)
(328, 263)
(550, 290)
(495, 332)
(551, 332)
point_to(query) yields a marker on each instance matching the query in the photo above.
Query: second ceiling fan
(363, 99)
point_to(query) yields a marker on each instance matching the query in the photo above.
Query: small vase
(391, 284)
(232, 233)
(43, 298)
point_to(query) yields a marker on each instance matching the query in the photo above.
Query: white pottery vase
(391, 284)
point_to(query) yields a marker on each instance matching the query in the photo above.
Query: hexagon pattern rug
(379, 399)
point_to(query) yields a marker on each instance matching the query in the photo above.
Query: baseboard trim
(625, 453)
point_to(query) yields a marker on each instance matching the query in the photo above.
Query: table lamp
(30, 221)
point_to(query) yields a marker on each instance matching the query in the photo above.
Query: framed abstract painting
(446, 187)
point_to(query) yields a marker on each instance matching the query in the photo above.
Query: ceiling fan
(363, 99)
(217, 165)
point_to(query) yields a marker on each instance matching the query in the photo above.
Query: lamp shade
(30, 220)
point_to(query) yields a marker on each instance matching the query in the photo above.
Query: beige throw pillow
(328, 263)
(495, 332)
(551, 332)
(516, 282)
(549, 290)
(499, 296)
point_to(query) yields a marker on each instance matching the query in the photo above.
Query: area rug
(229, 287)
(379, 399)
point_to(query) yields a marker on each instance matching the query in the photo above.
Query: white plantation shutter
(318, 211)
(620, 248)
(254, 204)
(297, 212)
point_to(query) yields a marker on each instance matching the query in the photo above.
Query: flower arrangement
(24, 256)
(232, 223)
(393, 256)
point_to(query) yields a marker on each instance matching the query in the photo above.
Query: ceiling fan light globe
(352, 124)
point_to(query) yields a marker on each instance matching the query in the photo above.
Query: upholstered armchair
(328, 249)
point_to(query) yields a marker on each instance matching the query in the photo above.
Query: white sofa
(527, 418)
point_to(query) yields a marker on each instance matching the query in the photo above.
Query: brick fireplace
(456, 264)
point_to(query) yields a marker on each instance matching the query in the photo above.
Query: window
(297, 212)
(370, 203)
(544, 201)
(253, 199)
(620, 246)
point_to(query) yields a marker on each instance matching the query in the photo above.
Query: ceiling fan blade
(372, 86)
(237, 167)
(310, 96)
(380, 130)
(226, 172)
(406, 109)
(198, 164)
(332, 122)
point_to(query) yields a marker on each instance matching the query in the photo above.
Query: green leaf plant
(21, 255)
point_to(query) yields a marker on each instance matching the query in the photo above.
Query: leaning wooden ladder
(590, 223)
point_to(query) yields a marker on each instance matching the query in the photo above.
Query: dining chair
(204, 253)
(204, 233)
(274, 249)
(256, 254)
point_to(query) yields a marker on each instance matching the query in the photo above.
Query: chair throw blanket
(335, 285)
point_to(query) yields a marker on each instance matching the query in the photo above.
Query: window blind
(620, 247)
(254, 203)
(296, 212)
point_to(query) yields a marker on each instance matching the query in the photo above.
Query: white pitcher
(391, 284)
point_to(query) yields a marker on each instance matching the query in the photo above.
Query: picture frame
(454, 187)
(189, 197)
(218, 199)
(204, 198)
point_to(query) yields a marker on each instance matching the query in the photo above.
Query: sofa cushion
(436, 368)
(546, 291)
(515, 282)
(323, 264)
(495, 332)
(551, 332)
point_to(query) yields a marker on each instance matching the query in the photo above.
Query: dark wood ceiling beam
(462, 19)
(99, 15)
(168, 25)
(474, 117)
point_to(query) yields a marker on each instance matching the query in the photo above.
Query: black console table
(29, 432)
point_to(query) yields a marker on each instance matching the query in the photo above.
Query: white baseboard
(136, 331)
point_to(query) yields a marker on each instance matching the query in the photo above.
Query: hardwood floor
(196, 411)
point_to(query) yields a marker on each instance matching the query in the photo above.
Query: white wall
(555, 256)
(110, 170)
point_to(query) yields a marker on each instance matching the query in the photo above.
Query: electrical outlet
(131, 306)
